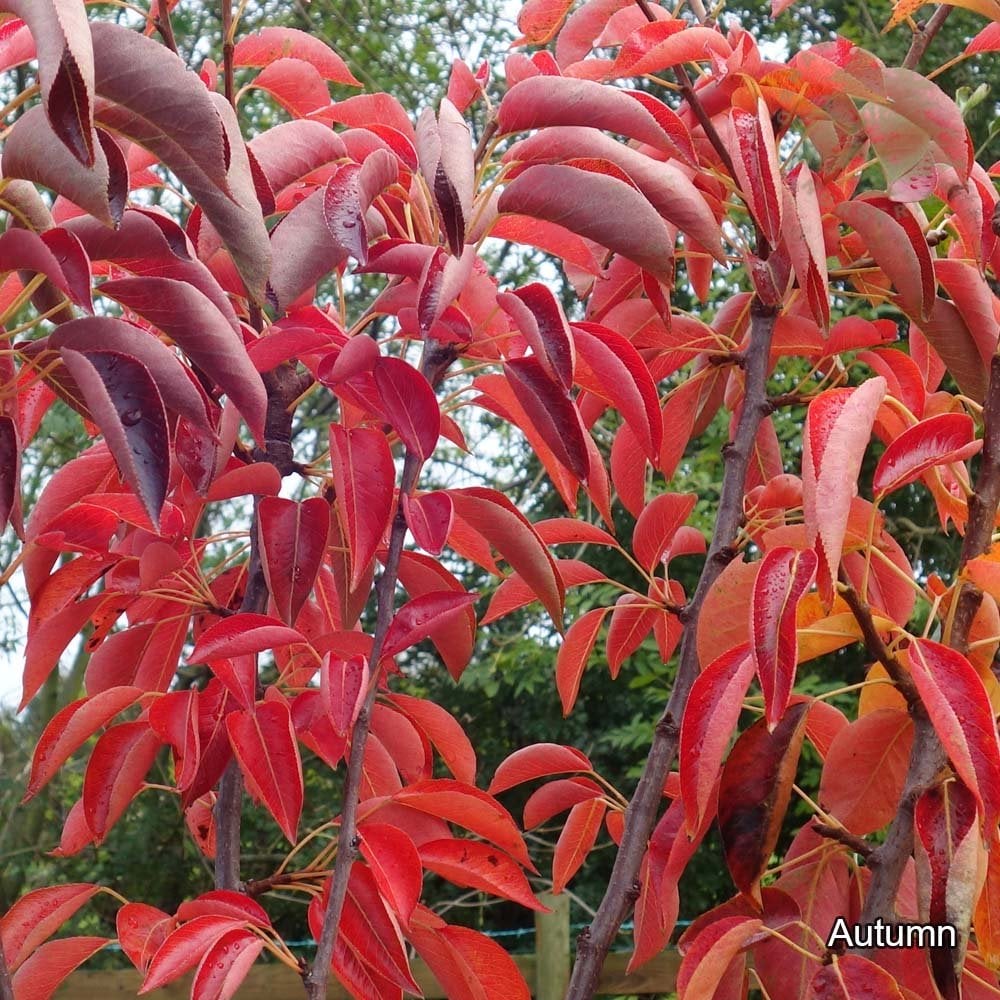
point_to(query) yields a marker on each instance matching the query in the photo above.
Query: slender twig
(227, 52)
(162, 24)
(923, 38)
(282, 387)
(843, 836)
(437, 359)
(877, 649)
(596, 940)
(927, 756)
(6, 988)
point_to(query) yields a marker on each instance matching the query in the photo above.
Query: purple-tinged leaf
(126, 405)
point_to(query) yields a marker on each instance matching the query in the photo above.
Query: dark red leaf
(127, 406)
(293, 539)
(754, 794)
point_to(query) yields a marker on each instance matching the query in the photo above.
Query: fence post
(552, 948)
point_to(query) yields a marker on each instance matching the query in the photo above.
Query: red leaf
(712, 712)
(546, 100)
(418, 618)
(66, 71)
(271, 44)
(954, 342)
(959, 708)
(571, 660)
(116, 772)
(10, 476)
(632, 620)
(264, 743)
(593, 205)
(38, 915)
(938, 440)
(184, 949)
(395, 866)
(104, 333)
(70, 728)
(195, 323)
(657, 524)
(784, 576)
(949, 855)
(757, 168)
(141, 930)
(476, 865)
(443, 731)
(554, 239)
(320, 232)
(42, 973)
(539, 316)
(293, 539)
(576, 840)
(342, 685)
(621, 377)
(364, 476)
(295, 85)
(662, 44)
(552, 412)
(126, 404)
(851, 977)
(224, 903)
(429, 518)
(493, 516)
(468, 965)
(539, 20)
(241, 635)
(754, 794)
(838, 426)
(899, 250)
(226, 964)
(537, 761)
(410, 404)
(865, 769)
(470, 808)
(708, 956)
(557, 796)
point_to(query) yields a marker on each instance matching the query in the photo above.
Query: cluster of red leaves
(218, 318)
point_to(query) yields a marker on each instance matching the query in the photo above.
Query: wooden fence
(546, 971)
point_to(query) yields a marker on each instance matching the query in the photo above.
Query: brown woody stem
(6, 987)
(923, 38)
(164, 27)
(595, 941)
(875, 646)
(927, 756)
(437, 359)
(857, 844)
(228, 45)
(282, 387)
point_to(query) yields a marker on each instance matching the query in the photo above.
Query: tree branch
(875, 646)
(6, 987)
(162, 24)
(282, 388)
(437, 359)
(595, 942)
(923, 38)
(928, 757)
(227, 51)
